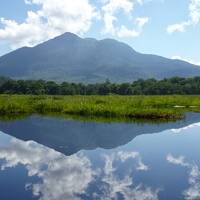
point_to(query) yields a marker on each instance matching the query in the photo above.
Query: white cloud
(193, 192)
(124, 156)
(193, 18)
(194, 9)
(112, 6)
(53, 18)
(141, 21)
(177, 160)
(110, 11)
(177, 27)
(186, 59)
(124, 32)
(123, 185)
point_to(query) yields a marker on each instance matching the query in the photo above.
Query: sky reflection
(193, 192)
(157, 166)
(63, 177)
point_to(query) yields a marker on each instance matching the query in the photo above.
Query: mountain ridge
(70, 58)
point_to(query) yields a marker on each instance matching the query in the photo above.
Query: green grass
(113, 106)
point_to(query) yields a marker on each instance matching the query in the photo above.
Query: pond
(49, 158)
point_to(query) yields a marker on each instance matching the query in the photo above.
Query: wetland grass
(112, 106)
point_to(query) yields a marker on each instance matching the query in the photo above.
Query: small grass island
(168, 107)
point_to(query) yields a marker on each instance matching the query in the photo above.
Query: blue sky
(165, 27)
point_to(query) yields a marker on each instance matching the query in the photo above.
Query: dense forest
(174, 85)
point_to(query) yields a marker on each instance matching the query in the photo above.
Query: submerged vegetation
(112, 106)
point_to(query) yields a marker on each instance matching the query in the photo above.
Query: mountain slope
(71, 58)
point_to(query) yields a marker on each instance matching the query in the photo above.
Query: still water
(46, 158)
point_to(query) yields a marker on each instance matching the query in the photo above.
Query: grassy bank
(139, 107)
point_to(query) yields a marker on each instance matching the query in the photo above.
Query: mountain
(71, 58)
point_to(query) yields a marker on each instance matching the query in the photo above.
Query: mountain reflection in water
(71, 136)
(53, 159)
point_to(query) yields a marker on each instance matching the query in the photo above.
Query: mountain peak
(68, 35)
(59, 41)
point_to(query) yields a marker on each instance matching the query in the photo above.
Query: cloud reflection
(124, 185)
(186, 127)
(63, 177)
(193, 192)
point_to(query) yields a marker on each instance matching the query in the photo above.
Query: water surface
(46, 158)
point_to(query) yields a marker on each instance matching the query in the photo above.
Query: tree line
(175, 85)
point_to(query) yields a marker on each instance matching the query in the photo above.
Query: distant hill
(71, 58)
